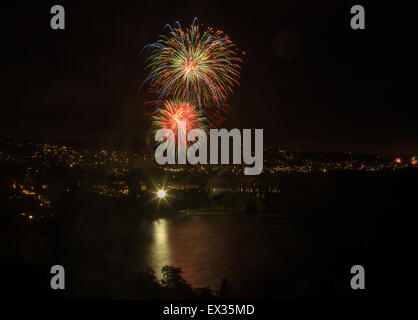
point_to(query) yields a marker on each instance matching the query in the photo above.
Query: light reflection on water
(159, 253)
(210, 248)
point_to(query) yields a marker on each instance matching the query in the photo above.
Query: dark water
(239, 248)
(307, 256)
(261, 256)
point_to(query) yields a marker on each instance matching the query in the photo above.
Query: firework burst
(201, 67)
(173, 111)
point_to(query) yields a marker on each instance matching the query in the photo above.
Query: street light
(161, 194)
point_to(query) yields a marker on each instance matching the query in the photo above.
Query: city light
(161, 194)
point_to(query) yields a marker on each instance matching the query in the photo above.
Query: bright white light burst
(161, 194)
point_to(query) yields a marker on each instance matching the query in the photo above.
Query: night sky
(308, 79)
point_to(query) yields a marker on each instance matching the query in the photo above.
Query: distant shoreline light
(161, 194)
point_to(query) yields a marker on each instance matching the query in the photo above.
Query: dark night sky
(308, 79)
